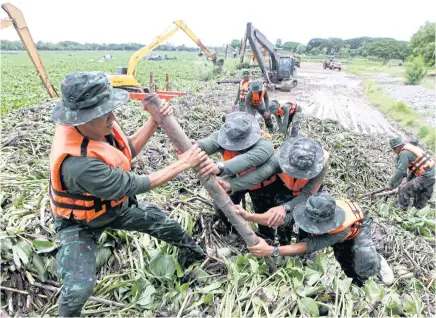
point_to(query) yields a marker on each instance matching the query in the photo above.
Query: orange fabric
(243, 87)
(296, 185)
(229, 154)
(353, 217)
(69, 142)
(422, 162)
(256, 98)
(280, 112)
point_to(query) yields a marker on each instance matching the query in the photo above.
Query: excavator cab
(286, 67)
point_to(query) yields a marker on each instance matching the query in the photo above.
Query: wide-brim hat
(85, 97)
(239, 132)
(301, 157)
(395, 142)
(319, 215)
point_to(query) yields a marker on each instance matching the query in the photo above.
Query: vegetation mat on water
(139, 273)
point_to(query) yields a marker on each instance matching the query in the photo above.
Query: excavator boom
(16, 19)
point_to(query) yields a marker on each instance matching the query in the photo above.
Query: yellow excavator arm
(16, 19)
(178, 25)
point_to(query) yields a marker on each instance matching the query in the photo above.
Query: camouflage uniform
(241, 101)
(87, 96)
(358, 257)
(285, 121)
(261, 109)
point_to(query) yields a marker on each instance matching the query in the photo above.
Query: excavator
(16, 19)
(280, 73)
(126, 76)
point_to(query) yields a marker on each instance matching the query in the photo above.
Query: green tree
(415, 71)
(423, 43)
(235, 43)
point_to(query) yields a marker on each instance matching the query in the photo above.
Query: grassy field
(139, 275)
(398, 111)
(21, 86)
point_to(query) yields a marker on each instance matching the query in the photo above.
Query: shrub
(415, 71)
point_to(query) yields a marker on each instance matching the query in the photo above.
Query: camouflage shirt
(91, 175)
(268, 169)
(254, 156)
(319, 242)
(403, 160)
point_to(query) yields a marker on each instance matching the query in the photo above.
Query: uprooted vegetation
(138, 273)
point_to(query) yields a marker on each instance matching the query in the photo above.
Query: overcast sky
(217, 22)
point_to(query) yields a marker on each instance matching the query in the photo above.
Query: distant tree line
(76, 46)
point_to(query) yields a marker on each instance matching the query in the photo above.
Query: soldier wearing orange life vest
(243, 147)
(342, 224)
(286, 113)
(299, 170)
(243, 88)
(256, 102)
(415, 172)
(92, 187)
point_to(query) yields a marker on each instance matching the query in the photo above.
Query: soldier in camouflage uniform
(342, 224)
(92, 188)
(243, 147)
(256, 102)
(297, 172)
(286, 114)
(415, 174)
(243, 88)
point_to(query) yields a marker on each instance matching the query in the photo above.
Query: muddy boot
(386, 273)
(189, 256)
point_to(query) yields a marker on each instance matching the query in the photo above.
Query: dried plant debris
(138, 273)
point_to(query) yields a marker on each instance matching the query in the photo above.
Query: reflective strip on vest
(229, 154)
(243, 88)
(423, 160)
(256, 98)
(69, 142)
(353, 217)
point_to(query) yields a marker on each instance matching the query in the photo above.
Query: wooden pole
(151, 82)
(180, 140)
(167, 82)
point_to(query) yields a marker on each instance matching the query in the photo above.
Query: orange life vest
(243, 88)
(69, 142)
(422, 163)
(353, 217)
(296, 185)
(256, 98)
(229, 154)
(280, 112)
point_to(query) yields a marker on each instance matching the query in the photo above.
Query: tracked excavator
(126, 76)
(16, 19)
(279, 73)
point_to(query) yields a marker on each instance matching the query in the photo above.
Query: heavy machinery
(280, 72)
(332, 63)
(16, 19)
(126, 76)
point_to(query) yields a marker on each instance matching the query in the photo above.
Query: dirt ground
(421, 99)
(335, 95)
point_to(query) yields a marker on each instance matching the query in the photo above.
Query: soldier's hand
(225, 185)
(193, 156)
(208, 167)
(388, 187)
(239, 210)
(261, 249)
(267, 114)
(276, 216)
(166, 109)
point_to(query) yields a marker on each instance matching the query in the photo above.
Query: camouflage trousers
(418, 189)
(295, 120)
(261, 110)
(358, 257)
(76, 257)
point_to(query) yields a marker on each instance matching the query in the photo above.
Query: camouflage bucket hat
(274, 106)
(240, 131)
(245, 73)
(319, 214)
(255, 86)
(395, 142)
(86, 96)
(301, 158)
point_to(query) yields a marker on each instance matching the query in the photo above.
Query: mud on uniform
(277, 193)
(419, 168)
(82, 172)
(238, 163)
